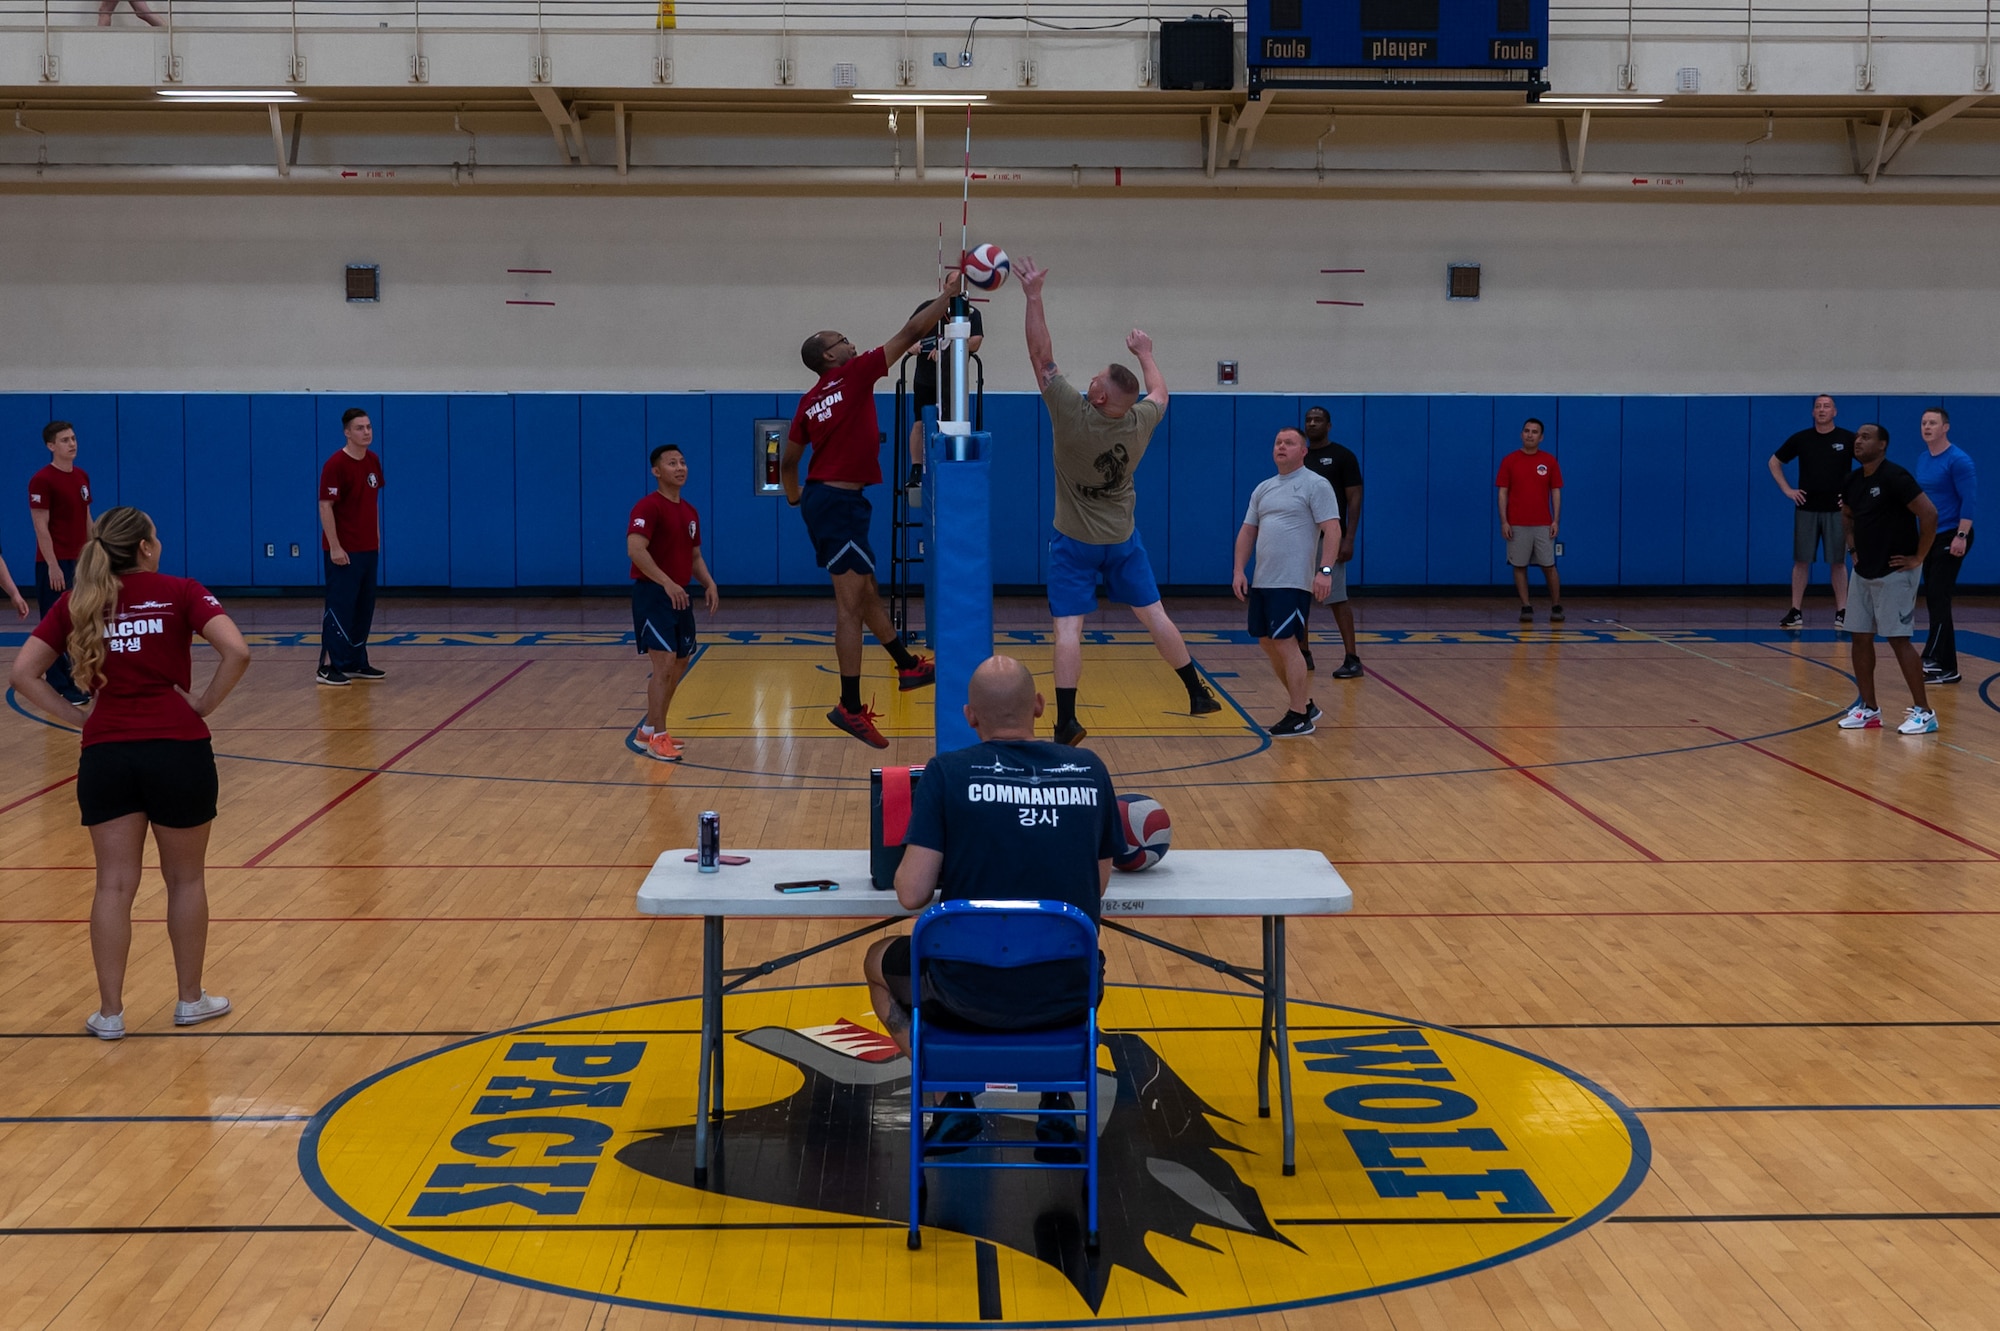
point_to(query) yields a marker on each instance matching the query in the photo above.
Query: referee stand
(907, 536)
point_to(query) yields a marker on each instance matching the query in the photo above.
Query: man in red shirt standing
(1530, 483)
(59, 504)
(351, 535)
(663, 537)
(837, 421)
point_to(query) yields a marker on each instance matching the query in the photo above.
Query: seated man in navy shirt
(1012, 818)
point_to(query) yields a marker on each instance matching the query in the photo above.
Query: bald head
(1001, 702)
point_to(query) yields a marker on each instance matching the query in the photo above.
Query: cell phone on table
(807, 885)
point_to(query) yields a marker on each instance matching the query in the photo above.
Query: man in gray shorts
(1825, 455)
(1291, 517)
(1889, 524)
(1530, 485)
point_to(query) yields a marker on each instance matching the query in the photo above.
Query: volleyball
(1144, 833)
(986, 267)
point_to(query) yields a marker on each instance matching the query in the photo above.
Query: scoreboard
(1464, 45)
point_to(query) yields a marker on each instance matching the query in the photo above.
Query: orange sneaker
(859, 724)
(663, 747)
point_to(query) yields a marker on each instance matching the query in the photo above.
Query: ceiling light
(920, 98)
(1587, 100)
(228, 94)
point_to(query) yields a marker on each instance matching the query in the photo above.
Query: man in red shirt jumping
(350, 485)
(59, 504)
(663, 537)
(1530, 483)
(837, 421)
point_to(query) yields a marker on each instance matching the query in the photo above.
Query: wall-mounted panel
(614, 473)
(1652, 491)
(1201, 469)
(413, 435)
(220, 550)
(744, 551)
(152, 469)
(548, 478)
(1018, 525)
(1587, 441)
(1716, 526)
(1397, 434)
(284, 489)
(480, 427)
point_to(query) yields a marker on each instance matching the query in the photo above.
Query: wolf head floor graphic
(840, 1144)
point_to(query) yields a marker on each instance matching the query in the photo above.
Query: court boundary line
(30, 799)
(346, 794)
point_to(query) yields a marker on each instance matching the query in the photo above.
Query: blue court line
(1808, 1109)
(156, 1118)
(1986, 691)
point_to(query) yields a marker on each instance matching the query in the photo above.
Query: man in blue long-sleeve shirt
(1946, 472)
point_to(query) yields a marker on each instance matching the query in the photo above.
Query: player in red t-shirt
(146, 761)
(663, 537)
(1530, 484)
(837, 421)
(59, 503)
(351, 535)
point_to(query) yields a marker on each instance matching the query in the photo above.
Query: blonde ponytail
(111, 551)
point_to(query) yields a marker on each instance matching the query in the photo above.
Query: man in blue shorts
(837, 421)
(663, 538)
(1100, 437)
(1292, 517)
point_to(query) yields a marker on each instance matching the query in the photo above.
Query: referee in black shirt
(1342, 470)
(1825, 455)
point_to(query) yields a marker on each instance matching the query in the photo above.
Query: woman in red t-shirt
(146, 757)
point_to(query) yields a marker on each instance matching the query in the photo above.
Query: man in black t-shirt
(1889, 524)
(1011, 818)
(924, 383)
(1342, 470)
(1825, 455)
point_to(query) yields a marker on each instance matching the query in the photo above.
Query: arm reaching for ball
(1041, 351)
(1141, 345)
(924, 322)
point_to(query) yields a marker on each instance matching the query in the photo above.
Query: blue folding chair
(944, 1058)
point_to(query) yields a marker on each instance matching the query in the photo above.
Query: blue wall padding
(959, 507)
(497, 490)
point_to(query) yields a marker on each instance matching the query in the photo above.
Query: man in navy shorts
(837, 421)
(1292, 516)
(1100, 437)
(663, 537)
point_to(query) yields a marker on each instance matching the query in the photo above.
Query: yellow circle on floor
(561, 1156)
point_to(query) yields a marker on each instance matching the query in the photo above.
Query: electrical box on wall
(1461, 281)
(364, 283)
(768, 441)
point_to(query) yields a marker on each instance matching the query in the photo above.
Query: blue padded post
(958, 571)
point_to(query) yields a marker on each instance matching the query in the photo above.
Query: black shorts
(171, 781)
(1030, 997)
(1278, 612)
(837, 520)
(657, 625)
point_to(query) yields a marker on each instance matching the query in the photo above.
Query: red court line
(30, 799)
(255, 860)
(1872, 799)
(1535, 777)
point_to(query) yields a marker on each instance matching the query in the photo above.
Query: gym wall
(531, 490)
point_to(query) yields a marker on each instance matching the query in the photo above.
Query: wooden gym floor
(1636, 848)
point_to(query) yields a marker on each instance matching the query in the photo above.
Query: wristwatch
(1326, 570)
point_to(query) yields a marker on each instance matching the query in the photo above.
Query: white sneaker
(105, 1028)
(1861, 718)
(208, 1005)
(1920, 721)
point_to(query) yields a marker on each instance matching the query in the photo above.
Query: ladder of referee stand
(906, 540)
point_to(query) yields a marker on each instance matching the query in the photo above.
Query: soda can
(708, 851)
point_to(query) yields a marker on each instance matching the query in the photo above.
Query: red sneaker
(922, 673)
(859, 724)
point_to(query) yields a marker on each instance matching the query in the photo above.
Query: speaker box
(1198, 55)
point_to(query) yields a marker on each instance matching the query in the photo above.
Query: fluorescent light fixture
(1585, 100)
(227, 94)
(920, 98)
